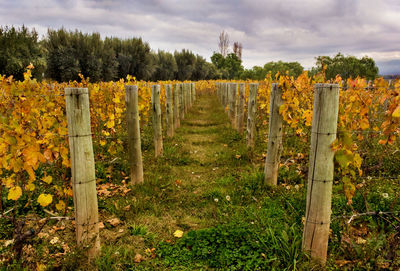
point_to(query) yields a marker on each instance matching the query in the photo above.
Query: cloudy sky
(270, 30)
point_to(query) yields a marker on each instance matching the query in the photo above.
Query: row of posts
(178, 102)
(321, 165)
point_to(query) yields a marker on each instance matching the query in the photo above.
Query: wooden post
(320, 173)
(240, 109)
(155, 104)
(169, 111)
(226, 96)
(177, 122)
(82, 169)
(193, 92)
(233, 105)
(185, 98)
(232, 89)
(218, 88)
(134, 144)
(182, 101)
(274, 150)
(189, 96)
(251, 115)
(189, 93)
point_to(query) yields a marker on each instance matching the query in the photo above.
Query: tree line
(62, 55)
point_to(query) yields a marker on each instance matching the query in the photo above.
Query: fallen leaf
(138, 258)
(341, 263)
(178, 233)
(54, 240)
(61, 228)
(114, 222)
(361, 241)
(101, 225)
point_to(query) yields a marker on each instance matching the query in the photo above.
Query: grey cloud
(290, 30)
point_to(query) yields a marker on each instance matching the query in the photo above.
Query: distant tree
(70, 53)
(64, 54)
(256, 73)
(223, 43)
(62, 62)
(346, 66)
(18, 48)
(134, 58)
(109, 62)
(230, 67)
(204, 70)
(218, 60)
(259, 73)
(233, 65)
(237, 49)
(186, 61)
(166, 67)
(294, 68)
(213, 72)
(201, 70)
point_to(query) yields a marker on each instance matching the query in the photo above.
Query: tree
(294, 68)
(233, 65)
(18, 48)
(218, 60)
(166, 67)
(237, 49)
(186, 61)
(62, 63)
(70, 53)
(223, 44)
(134, 58)
(230, 67)
(259, 73)
(346, 66)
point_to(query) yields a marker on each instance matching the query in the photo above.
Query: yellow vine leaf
(60, 205)
(396, 112)
(15, 193)
(45, 199)
(30, 186)
(110, 124)
(47, 179)
(364, 124)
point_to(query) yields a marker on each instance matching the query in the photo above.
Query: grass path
(205, 180)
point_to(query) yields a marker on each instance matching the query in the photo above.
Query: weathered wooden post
(82, 169)
(155, 102)
(240, 109)
(193, 92)
(226, 98)
(134, 143)
(251, 115)
(169, 110)
(218, 87)
(182, 101)
(186, 100)
(189, 93)
(177, 122)
(320, 173)
(274, 150)
(232, 103)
